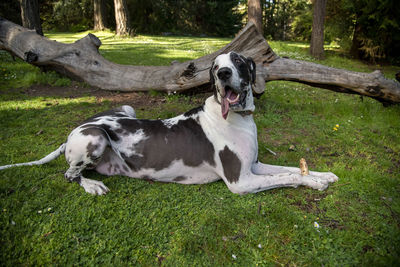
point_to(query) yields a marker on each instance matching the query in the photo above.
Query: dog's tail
(53, 155)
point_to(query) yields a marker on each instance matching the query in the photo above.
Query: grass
(46, 221)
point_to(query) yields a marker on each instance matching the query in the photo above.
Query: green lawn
(46, 221)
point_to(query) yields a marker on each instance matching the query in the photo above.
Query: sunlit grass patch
(148, 49)
(16, 73)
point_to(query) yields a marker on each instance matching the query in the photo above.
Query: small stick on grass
(270, 151)
(304, 167)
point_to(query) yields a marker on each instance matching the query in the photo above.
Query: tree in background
(68, 15)
(376, 30)
(317, 35)
(99, 15)
(195, 17)
(279, 16)
(122, 20)
(255, 14)
(30, 15)
(11, 10)
(370, 29)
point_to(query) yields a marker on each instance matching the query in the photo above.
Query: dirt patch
(136, 99)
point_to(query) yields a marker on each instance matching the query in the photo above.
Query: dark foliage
(218, 18)
(11, 10)
(369, 29)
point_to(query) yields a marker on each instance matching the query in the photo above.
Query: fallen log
(82, 61)
(372, 84)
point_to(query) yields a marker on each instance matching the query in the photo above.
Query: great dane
(215, 141)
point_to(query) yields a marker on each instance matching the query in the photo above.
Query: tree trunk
(255, 14)
(317, 35)
(30, 15)
(99, 15)
(122, 22)
(356, 43)
(82, 61)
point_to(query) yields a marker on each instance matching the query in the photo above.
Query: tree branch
(372, 84)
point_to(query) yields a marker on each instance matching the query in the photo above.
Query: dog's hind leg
(84, 150)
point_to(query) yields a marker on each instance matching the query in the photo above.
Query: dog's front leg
(261, 168)
(264, 177)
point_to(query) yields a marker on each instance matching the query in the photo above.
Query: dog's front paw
(94, 187)
(319, 180)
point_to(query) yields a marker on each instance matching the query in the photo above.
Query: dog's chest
(239, 136)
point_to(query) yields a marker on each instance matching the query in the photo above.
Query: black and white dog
(215, 141)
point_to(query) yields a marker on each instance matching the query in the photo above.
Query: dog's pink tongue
(225, 104)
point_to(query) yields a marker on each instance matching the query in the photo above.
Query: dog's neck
(245, 112)
(213, 108)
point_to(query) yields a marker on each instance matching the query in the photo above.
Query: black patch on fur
(90, 166)
(251, 66)
(106, 157)
(193, 111)
(79, 163)
(179, 179)
(119, 131)
(90, 148)
(99, 127)
(76, 179)
(92, 131)
(185, 140)
(125, 168)
(242, 67)
(231, 164)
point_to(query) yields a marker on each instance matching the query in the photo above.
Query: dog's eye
(216, 67)
(238, 60)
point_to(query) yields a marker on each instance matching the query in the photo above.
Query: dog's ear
(252, 67)
(257, 82)
(212, 80)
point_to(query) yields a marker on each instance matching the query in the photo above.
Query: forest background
(363, 29)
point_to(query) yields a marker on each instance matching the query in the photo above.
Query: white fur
(126, 144)
(173, 121)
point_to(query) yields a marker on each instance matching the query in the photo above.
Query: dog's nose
(224, 73)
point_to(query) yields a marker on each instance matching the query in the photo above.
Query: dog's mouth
(230, 99)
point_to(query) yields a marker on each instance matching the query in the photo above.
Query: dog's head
(233, 77)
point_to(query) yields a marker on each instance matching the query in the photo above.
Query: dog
(217, 140)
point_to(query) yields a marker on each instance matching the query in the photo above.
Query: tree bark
(122, 22)
(99, 15)
(82, 61)
(255, 14)
(317, 34)
(30, 15)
